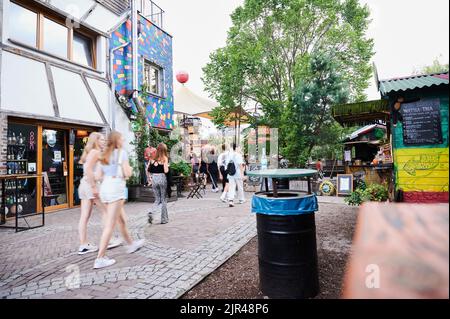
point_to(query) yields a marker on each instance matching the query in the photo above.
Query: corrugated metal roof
(413, 82)
(116, 6)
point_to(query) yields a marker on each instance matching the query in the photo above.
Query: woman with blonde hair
(88, 192)
(158, 169)
(115, 170)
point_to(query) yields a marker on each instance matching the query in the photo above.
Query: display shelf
(13, 194)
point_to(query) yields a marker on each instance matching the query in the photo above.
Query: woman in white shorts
(88, 192)
(114, 170)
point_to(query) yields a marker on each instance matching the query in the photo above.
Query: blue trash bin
(287, 249)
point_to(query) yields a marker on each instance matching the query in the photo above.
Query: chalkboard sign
(422, 122)
(344, 184)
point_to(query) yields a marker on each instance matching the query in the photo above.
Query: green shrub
(181, 168)
(371, 193)
(355, 198)
(377, 193)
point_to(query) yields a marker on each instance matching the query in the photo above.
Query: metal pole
(16, 203)
(134, 21)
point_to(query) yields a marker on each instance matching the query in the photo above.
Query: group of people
(228, 166)
(105, 170)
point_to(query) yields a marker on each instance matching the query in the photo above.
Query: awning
(188, 103)
(236, 118)
(413, 82)
(362, 113)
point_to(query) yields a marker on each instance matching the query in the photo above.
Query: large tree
(270, 45)
(307, 122)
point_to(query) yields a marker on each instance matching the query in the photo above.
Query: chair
(195, 186)
(203, 182)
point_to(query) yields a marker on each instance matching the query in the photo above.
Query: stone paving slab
(200, 237)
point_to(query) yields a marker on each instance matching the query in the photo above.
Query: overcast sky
(408, 34)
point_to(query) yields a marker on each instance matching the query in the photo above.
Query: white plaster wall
(123, 126)
(101, 92)
(73, 97)
(24, 86)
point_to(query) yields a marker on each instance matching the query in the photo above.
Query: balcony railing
(152, 12)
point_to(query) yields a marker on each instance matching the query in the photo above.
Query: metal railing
(152, 12)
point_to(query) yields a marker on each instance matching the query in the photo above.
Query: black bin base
(287, 250)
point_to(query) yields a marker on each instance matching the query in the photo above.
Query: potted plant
(133, 183)
(182, 170)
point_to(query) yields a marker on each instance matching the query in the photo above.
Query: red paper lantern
(182, 77)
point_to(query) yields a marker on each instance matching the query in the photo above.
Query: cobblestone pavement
(200, 237)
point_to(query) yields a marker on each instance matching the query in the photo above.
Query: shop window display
(21, 163)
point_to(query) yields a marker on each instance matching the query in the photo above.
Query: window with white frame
(153, 78)
(45, 31)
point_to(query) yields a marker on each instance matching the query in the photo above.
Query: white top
(221, 160)
(238, 161)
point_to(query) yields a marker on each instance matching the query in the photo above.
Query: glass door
(81, 138)
(55, 168)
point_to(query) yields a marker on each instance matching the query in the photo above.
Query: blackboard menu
(422, 122)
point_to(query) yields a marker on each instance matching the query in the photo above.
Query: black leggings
(224, 177)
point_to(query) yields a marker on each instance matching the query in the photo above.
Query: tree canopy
(270, 47)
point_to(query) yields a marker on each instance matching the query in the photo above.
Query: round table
(290, 173)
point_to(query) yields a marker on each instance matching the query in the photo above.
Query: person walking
(204, 166)
(221, 164)
(213, 170)
(195, 165)
(235, 170)
(149, 153)
(158, 169)
(114, 170)
(319, 168)
(88, 192)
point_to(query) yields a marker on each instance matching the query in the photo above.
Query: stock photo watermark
(373, 277)
(73, 280)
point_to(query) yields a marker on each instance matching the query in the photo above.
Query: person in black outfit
(213, 170)
(159, 170)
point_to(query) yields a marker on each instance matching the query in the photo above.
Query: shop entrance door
(55, 168)
(81, 138)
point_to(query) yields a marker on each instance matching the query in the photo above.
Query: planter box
(146, 195)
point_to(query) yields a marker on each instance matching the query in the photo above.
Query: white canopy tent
(188, 103)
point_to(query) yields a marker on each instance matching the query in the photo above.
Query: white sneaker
(103, 262)
(223, 198)
(135, 246)
(242, 201)
(115, 242)
(230, 203)
(88, 248)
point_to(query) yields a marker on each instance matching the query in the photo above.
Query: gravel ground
(238, 278)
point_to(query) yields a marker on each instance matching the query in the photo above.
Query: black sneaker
(150, 219)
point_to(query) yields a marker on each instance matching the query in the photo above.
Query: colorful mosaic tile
(156, 47)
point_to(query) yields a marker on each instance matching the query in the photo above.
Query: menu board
(422, 122)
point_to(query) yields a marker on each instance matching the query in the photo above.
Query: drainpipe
(134, 41)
